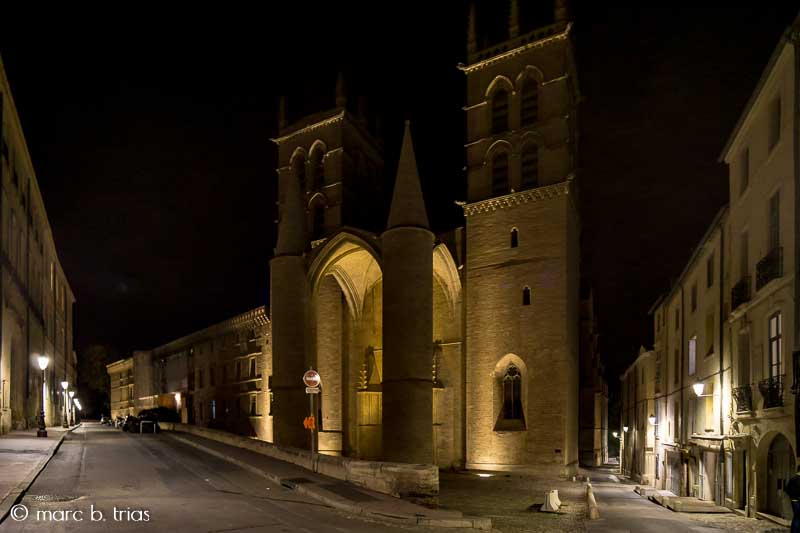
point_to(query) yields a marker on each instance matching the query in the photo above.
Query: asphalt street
(102, 479)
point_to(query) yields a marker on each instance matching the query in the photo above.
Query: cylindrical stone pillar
(407, 344)
(288, 295)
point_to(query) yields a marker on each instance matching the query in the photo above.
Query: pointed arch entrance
(347, 332)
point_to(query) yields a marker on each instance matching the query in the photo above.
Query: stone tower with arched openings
(522, 228)
(337, 160)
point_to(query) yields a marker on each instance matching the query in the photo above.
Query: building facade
(454, 349)
(36, 301)
(721, 390)
(461, 348)
(593, 402)
(217, 377)
(122, 388)
(762, 158)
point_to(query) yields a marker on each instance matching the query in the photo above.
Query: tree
(93, 382)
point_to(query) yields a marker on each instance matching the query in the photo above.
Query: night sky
(150, 139)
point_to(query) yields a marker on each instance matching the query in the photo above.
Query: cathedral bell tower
(522, 231)
(337, 158)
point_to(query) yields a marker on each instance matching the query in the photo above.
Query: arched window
(530, 166)
(318, 168)
(299, 167)
(530, 102)
(526, 296)
(500, 111)
(512, 394)
(500, 174)
(514, 237)
(319, 220)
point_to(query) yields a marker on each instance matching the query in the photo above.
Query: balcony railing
(744, 398)
(770, 267)
(772, 391)
(741, 292)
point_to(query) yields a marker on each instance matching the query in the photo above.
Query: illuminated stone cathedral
(460, 349)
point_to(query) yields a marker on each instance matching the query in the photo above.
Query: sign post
(312, 381)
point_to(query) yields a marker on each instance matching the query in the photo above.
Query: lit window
(692, 355)
(775, 345)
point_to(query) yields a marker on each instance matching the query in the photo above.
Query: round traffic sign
(311, 378)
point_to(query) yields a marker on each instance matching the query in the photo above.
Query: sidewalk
(623, 509)
(511, 500)
(22, 456)
(333, 492)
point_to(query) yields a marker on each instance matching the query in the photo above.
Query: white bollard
(551, 502)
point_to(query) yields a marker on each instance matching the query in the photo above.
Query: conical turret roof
(408, 205)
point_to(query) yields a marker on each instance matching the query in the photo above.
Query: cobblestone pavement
(507, 499)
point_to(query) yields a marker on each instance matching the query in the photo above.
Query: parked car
(131, 424)
(160, 414)
(103, 420)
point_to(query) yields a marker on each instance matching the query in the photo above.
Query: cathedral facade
(458, 349)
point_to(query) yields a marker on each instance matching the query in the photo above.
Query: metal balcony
(770, 267)
(744, 398)
(741, 292)
(772, 391)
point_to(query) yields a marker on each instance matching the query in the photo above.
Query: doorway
(780, 467)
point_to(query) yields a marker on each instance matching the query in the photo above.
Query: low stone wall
(397, 479)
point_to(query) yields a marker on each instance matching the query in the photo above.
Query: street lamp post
(72, 408)
(43, 362)
(65, 385)
(622, 448)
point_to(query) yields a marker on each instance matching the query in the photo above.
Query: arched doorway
(780, 467)
(347, 289)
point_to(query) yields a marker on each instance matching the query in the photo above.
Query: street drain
(52, 498)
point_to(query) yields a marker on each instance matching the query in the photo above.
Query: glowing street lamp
(625, 429)
(72, 408)
(698, 388)
(43, 361)
(652, 419)
(65, 386)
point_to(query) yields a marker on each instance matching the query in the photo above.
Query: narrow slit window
(514, 238)
(526, 296)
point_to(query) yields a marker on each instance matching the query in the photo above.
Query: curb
(591, 502)
(341, 504)
(16, 494)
